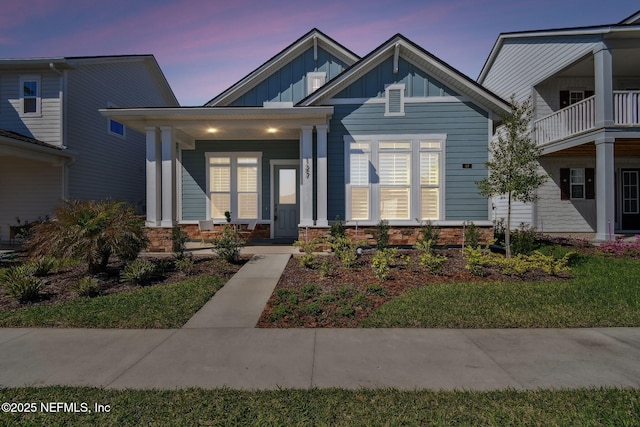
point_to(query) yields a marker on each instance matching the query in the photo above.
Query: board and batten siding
(29, 190)
(194, 173)
(108, 166)
(525, 62)
(467, 131)
(417, 82)
(47, 126)
(289, 83)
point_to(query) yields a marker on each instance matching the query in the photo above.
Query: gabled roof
(279, 60)
(629, 25)
(420, 57)
(72, 62)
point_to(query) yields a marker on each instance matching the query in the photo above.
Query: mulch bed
(360, 278)
(59, 283)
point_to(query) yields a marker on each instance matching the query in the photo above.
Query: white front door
(286, 209)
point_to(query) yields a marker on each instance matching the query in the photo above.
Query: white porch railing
(625, 108)
(579, 117)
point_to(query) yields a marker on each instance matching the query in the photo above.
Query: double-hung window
(394, 178)
(577, 183)
(30, 95)
(234, 183)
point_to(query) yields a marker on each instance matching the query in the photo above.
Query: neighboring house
(317, 132)
(54, 143)
(585, 86)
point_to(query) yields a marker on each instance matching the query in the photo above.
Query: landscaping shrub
(471, 235)
(91, 230)
(429, 232)
(475, 260)
(382, 262)
(228, 245)
(86, 287)
(433, 262)
(337, 228)
(179, 241)
(326, 268)
(345, 250)
(184, 264)
(308, 258)
(20, 282)
(620, 247)
(524, 240)
(382, 235)
(44, 265)
(139, 271)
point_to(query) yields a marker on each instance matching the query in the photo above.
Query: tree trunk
(507, 231)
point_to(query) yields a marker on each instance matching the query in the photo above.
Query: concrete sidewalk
(250, 358)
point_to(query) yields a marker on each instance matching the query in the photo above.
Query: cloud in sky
(206, 46)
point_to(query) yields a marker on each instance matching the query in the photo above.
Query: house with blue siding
(316, 133)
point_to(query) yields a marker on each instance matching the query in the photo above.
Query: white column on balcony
(306, 176)
(605, 188)
(603, 69)
(321, 176)
(168, 177)
(154, 177)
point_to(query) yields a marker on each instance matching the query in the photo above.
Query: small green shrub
(360, 300)
(308, 258)
(44, 265)
(524, 240)
(471, 235)
(228, 245)
(382, 235)
(86, 287)
(549, 264)
(179, 239)
(21, 283)
(345, 250)
(337, 228)
(377, 290)
(424, 246)
(139, 271)
(184, 264)
(382, 262)
(279, 312)
(429, 232)
(475, 260)
(346, 310)
(434, 263)
(313, 308)
(310, 290)
(327, 268)
(345, 291)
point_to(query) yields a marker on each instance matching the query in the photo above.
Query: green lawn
(163, 306)
(334, 407)
(604, 292)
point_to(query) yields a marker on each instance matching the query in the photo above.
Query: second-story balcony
(581, 117)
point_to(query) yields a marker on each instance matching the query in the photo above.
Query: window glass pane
(394, 168)
(247, 178)
(577, 191)
(30, 89)
(429, 203)
(247, 205)
(219, 204)
(359, 203)
(394, 203)
(30, 105)
(116, 127)
(429, 168)
(220, 178)
(247, 160)
(395, 145)
(219, 160)
(359, 169)
(577, 176)
(430, 145)
(287, 187)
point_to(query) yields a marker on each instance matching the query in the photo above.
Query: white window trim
(374, 193)
(389, 88)
(584, 184)
(109, 121)
(233, 184)
(38, 80)
(311, 76)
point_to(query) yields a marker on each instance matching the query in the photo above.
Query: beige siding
(547, 99)
(520, 212)
(28, 189)
(522, 63)
(108, 166)
(46, 127)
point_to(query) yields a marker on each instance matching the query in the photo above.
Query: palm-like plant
(92, 231)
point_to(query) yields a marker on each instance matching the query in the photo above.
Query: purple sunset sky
(203, 47)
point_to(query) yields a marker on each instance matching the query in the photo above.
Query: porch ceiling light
(212, 130)
(272, 130)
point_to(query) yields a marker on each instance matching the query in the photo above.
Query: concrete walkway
(219, 347)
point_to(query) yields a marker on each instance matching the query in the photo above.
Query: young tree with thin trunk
(513, 162)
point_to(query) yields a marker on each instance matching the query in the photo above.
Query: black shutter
(589, 183)
(565, 185)
(564, 98)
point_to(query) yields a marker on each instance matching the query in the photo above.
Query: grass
(604, 292)
(335, 407)
(163, 306)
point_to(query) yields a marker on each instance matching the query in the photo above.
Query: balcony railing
(581, 117)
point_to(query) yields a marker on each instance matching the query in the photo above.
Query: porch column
(605, 188)
(603, 69)
(168, 177)
(306, 176)
(322, 176)
(154, 180)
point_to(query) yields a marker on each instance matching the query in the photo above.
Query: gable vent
(394, 95)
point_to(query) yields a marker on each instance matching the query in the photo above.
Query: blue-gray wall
(194, 173)
(465, 125)
(418, 83)
(289, 83)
